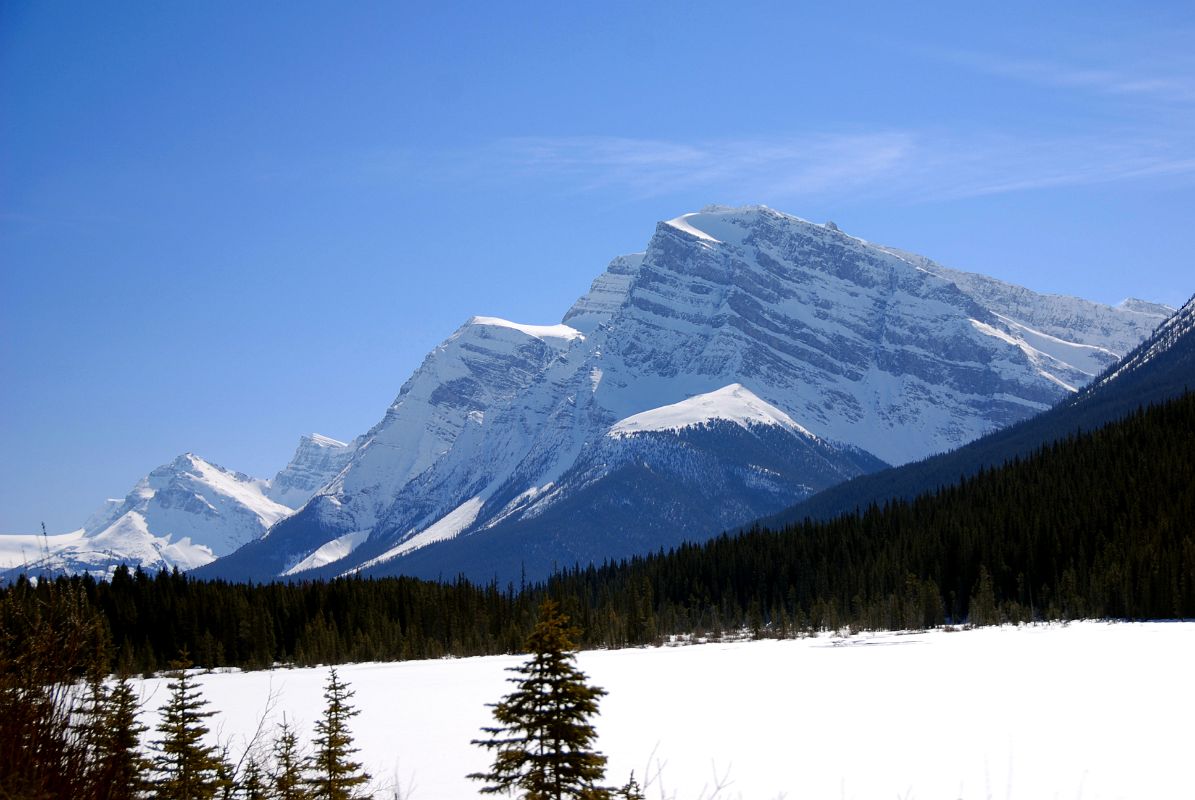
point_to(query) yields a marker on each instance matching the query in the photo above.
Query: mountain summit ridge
(745, 360)
(882, 356)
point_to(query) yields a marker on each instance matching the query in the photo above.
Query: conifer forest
(1095, 525)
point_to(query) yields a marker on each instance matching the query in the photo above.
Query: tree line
(1100, 524)
(65, 731)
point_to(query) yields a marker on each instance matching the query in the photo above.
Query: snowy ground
(1085, 711)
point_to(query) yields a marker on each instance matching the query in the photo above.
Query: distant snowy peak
(317, 460)
(1136, 306)
(1178, 331)
(734, 403)
(214, 507)
(183, 514)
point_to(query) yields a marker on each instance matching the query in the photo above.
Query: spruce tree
(543, 741)
(983, 608)
(123, 769)
(254, 783)
(286, 776)
(333, 775)
(186, 768)
(631, 790)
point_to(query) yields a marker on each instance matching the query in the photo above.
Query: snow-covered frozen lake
(1085, 711)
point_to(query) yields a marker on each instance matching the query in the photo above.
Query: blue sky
(226, 224)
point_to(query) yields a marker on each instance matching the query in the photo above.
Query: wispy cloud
(1173, 84)
(909, 166)
(799, 165)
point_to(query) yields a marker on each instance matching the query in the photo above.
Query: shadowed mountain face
(746, 360)
(1160, 368)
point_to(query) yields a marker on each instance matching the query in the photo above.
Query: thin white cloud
(651, 166)
(1172, 84)
(904, 165)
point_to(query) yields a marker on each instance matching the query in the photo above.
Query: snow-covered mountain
(745, 360)
(1159, 369)
(316, 460)
(183, 514)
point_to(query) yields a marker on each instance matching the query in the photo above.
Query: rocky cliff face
(317, 459)
(874, 355)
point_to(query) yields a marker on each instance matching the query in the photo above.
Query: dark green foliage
(253, 784)
(1100, 524)
(631, 790)
(543, 741)
(120, 768)
(50, 642)
(1158, 370)
(333, 775)
(186, 768)
(286, 776)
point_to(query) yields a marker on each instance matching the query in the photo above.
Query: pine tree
(631, 790)
(983, 609)
(253, 784)
(186, 768)
(334, 776)
(287, 773)
(543, 740)
(123, 770)
(50, 640)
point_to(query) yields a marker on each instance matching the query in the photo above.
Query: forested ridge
(1100, 524)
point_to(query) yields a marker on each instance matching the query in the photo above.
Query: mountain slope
(183, 514)
(879, 356)
(1160, 368)
(634, 489)
(317, 460)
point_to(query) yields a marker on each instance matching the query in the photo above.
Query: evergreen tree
(333, 775)
(253, 784)
(121, 767)
(89, 726)
(186, 768)
(543, 740)
(287, 774)
(983, 600)
(50, 640)
(631, 790)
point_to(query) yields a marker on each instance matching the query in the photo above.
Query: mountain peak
(732, 403)
(883, 357)
(319, 440)
(316, 461)
(182, 514)
(1139, 306)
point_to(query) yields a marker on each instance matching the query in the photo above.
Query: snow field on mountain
(331, 551)
(1090, 710)
(446, 527)
(538, 331)
(734, 403)
(17, 549)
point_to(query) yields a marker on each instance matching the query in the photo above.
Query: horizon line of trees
(66, 731)
(1099, 524)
